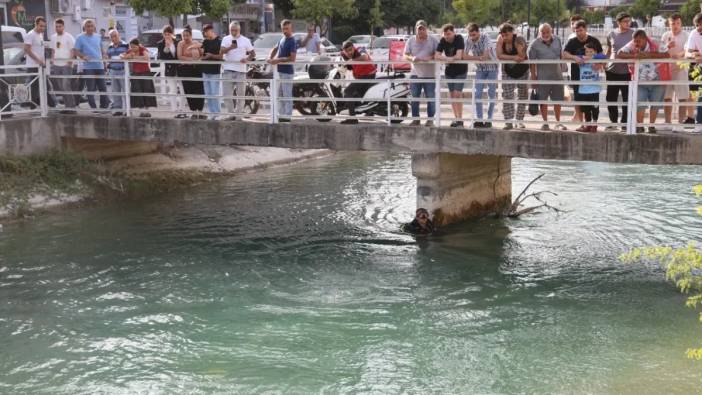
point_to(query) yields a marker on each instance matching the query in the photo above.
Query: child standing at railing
(591, 92)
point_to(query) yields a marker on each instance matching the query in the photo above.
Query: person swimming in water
(421, 225)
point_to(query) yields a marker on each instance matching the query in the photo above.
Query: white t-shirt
(62, 46)
(243, 45)
(694, 41)
(678, 51)
(36, 41)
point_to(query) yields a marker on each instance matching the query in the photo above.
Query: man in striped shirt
(478, 47)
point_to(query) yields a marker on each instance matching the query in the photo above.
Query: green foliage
(683, 266)
(689, 10)
(643, 8)
(375, 17)
(594, 16)
(616, 10)
(482, 12)
(51, 174)
(212, 8)
(316, 10)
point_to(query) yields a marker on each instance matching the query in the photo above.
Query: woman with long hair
(189, 50)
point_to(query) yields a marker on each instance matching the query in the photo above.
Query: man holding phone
(236, 50)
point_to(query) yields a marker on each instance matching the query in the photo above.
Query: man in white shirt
(675, 39)
(62, 44)
(34, 50)
(693, 50)
(236, 50)
(312, 43)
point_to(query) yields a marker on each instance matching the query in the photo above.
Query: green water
(295, 280)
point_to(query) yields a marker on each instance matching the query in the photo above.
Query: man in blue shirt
(116, 70)
(285, 52)
(88, 49)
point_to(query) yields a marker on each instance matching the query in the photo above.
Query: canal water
(296, 280)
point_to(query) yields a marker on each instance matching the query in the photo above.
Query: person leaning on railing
(286, 53)
(115, 70)
(451, 48)
(575, 50)
(167, 49)
(693, 50)
(62, 44)
(142, 89)
(360, 72)
(481, 49)
(642, 47)
(236, 50)
(420, 49)
(547, 47)
(88, 49)
(513, 48)
(34, 51)
(190, 50)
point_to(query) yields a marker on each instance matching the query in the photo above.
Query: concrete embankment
(82, 170)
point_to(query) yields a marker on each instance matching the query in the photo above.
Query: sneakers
(429, 123)
(508, 126)
(145, 115)
(582, 129)
(487, 125)
(545, 127)
(640, 129)
(697, 129)
(689, 121)
(561, 127)
(350, 121)
(457, 124)
(592, 129)
(611, 129)
(416, 122)
(478, 125)
(521, 125)
(652, 130)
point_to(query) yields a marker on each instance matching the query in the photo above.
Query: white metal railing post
(127, 89)
(43, 94)
(473, 102)
(437, 94)
(389, 104)
(633, 100)
(274, 95)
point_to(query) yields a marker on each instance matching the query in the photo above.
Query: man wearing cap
(419, 50)
(616, 40)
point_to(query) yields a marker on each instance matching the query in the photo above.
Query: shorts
(679, 91)
(550, 92)
(456, 86)
(650, 93)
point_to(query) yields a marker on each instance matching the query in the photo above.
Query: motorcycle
(256, 89)
(374, 101)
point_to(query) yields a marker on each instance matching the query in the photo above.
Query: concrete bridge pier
(456, 187)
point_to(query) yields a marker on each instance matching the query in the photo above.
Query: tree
(689, 10)
(482, 12)
(214, 9)
(683, 266)
(375, 17)
(644, 8)
(316, 10)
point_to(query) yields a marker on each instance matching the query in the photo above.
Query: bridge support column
(455, 187)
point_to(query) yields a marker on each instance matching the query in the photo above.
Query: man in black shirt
(575, 51)
(211, 72)
(451, 48)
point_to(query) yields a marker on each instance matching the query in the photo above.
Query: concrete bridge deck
(21, 135)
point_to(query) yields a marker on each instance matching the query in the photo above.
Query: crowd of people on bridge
(204, 84)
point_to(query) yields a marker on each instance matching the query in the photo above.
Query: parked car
(267, 41)
(13, 45)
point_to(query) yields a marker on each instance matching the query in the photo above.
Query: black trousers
(192, 87)
(142, 86)
(613, 95)
(357, 91)
(590, 112)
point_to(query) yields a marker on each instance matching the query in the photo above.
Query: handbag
(533, 107)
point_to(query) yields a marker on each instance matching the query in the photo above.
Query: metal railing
(322, 99)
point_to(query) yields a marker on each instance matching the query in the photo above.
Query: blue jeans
(286, 89)
(429, 90)
(491, 89)
(650, 93)
(117, 88)
(211, 82)
(96, 85)
(699, 110)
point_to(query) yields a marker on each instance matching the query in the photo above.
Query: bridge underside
(461, 173)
